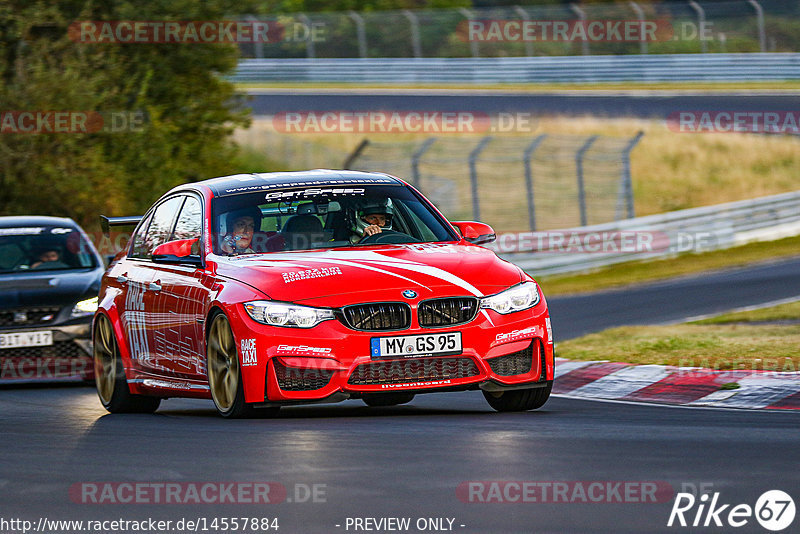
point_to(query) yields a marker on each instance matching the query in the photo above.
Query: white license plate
(26, 339)
(407, 346)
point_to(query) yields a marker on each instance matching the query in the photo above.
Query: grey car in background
(49, 279)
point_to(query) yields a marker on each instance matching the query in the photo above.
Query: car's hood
(50, 288)
(335, 277)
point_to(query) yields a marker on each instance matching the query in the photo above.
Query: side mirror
(178, 251)
(476, 233)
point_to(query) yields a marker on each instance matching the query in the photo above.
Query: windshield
(43, 248)
(304, 218)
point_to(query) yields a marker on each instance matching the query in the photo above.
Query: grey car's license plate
(26, 339)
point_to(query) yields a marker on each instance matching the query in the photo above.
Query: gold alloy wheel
(105, 359)
(223, 364)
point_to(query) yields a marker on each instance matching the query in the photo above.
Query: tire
(387, 399)
(109, 374)
(519, 400)
(224, 371)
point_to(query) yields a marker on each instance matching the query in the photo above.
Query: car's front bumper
(68, 358)
(331, 361)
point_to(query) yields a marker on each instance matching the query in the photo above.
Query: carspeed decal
(515, 334)
(303, 350)
(314, 192)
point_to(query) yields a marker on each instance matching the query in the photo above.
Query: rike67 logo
(774, 510)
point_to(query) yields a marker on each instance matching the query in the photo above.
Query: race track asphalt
(676, 299)
(643, 104)
(408, 461)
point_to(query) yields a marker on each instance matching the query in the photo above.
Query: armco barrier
(640, 68)
(697, 229)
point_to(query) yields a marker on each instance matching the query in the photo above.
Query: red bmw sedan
(264, 290)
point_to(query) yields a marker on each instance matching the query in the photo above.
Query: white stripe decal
(441, 274)
(362, 266)
(374, 257)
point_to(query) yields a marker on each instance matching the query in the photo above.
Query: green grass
(726, 344)
(789, 311)
(684, 264)
(768, 347)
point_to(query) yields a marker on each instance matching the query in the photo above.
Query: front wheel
(224, 373)
(109, 374)
(519, 400)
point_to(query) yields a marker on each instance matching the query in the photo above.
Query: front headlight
(284, 314)
(85, 307)
(514, 299)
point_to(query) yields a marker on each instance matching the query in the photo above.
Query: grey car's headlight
(285, 314)
(514, 299)
(85, 307)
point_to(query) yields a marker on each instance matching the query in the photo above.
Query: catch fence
(541, 182)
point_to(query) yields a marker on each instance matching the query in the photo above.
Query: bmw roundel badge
(409, 294)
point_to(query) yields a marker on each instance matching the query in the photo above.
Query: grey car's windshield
(304, 218)
(43, 248)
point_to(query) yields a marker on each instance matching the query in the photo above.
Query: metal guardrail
(641, 68)
(697, 229)
(681, 26)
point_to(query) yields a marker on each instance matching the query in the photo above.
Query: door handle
(154, 287)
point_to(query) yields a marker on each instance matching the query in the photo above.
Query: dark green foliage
(190, 109)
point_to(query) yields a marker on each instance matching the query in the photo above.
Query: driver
(48, 258)
(240, 225)
(372, 218)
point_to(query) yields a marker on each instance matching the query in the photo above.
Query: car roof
(247, 183)
(15, 221)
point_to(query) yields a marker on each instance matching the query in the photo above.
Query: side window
(160, 227)
(137, 249)
(417, 227)
(190, 221)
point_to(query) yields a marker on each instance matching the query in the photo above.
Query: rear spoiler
(107, 222)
